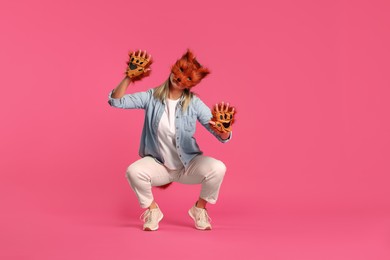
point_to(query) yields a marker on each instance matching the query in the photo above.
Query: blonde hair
(161, 93)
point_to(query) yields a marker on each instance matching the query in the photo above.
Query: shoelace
(204, 217)
(146, 215)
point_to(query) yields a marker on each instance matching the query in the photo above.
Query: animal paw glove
(223, 118)
(138, 65)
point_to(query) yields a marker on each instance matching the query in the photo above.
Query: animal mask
(187, 71)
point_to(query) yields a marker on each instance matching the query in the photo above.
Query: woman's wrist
(127, 79)
(224, 136)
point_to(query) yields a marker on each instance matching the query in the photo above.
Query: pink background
(308, 166)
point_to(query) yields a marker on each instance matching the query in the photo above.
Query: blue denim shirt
(185, 122)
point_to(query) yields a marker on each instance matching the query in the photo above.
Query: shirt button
(179, 155)
(177, 146)
(177, 117)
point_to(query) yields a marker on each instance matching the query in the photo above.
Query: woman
(168, 150)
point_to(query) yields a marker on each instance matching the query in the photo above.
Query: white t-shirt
(166, 136)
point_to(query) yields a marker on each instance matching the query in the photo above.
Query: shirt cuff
(115, 102)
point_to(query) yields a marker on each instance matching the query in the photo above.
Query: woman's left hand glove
(223, 118)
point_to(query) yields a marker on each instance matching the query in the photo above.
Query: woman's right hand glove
(138, 65)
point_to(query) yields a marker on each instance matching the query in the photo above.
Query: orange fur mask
(187, 71)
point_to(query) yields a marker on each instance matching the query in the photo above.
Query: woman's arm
(205, 116)
(120, 90)
(117, 97)
(129, 101)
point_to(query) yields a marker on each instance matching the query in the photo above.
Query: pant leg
(145, 173)
(206, 171)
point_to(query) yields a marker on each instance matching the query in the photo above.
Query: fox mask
(187, 71)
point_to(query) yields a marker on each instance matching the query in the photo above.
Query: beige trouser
(147, 172)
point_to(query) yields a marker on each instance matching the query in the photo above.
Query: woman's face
(175, 84)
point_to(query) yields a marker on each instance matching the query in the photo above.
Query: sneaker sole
(151, 229)
(197, 227)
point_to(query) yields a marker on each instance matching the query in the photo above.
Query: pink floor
(237, 232)
(308, 164)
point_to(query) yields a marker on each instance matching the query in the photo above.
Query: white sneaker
(151, 217)
(201, 218)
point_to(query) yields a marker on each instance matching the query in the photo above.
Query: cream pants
(147, 172)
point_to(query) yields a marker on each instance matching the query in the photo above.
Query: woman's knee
(133, 173)
(219, 168)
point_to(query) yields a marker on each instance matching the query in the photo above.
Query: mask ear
(197, 64)
(203, 72)
(188, 55)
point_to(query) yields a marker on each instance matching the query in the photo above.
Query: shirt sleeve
(129, 101)
(204, 116)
